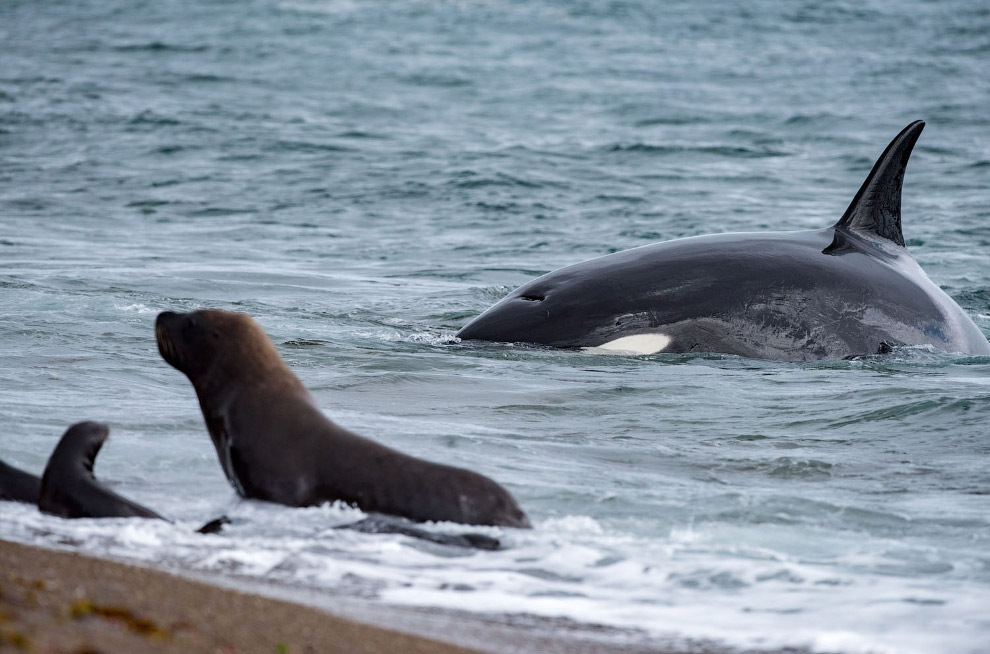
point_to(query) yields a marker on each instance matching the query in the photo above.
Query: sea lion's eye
(216, 334)
(191, 325)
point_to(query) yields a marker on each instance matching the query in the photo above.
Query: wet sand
(62, 602)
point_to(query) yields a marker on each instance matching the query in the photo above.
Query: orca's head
(556, 309)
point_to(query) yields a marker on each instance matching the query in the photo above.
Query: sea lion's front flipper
(383, 524)
(68, 487)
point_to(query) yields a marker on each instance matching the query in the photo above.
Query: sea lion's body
(274, 443)
(68, 487)
(17, 485)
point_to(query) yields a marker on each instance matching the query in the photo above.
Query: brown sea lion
(274, 443)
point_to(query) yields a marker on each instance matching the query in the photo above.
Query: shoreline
(54, 601)
(63, 601)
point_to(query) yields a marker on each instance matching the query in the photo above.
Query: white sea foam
(136, 308)
(685, 586)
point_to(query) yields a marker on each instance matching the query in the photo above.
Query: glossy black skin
(761, 295)
(17, 485)
(845, 291)
(275, 444)
(68, 487)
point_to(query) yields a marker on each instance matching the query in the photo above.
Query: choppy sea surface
(365, 176)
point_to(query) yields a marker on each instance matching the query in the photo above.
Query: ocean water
(365, 176)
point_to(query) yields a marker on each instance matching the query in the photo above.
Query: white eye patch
(636, 344)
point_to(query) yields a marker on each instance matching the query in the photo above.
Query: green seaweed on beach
(84, 608)
(15, 638)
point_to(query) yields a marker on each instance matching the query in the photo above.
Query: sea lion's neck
(224, 393)
(215, 392)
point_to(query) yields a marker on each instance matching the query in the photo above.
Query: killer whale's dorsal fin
(876, 209)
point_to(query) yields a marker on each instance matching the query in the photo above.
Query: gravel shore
(62, 602)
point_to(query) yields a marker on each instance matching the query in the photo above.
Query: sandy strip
(62, 602)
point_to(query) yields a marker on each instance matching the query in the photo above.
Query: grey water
(365, 176)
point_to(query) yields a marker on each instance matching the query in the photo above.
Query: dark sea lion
(849, 290)
(17, 485)
(383, 524)
(274, 443)
(68, 487)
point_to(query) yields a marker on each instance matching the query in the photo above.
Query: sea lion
(17, 485)
(848, 290)
(383, 524)
(274, 443)
(68, 487)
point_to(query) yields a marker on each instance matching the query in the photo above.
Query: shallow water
(363, 177)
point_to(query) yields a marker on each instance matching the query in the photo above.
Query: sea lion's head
(79, 445)
(212, 345)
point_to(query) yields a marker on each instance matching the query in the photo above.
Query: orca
(849, 290)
